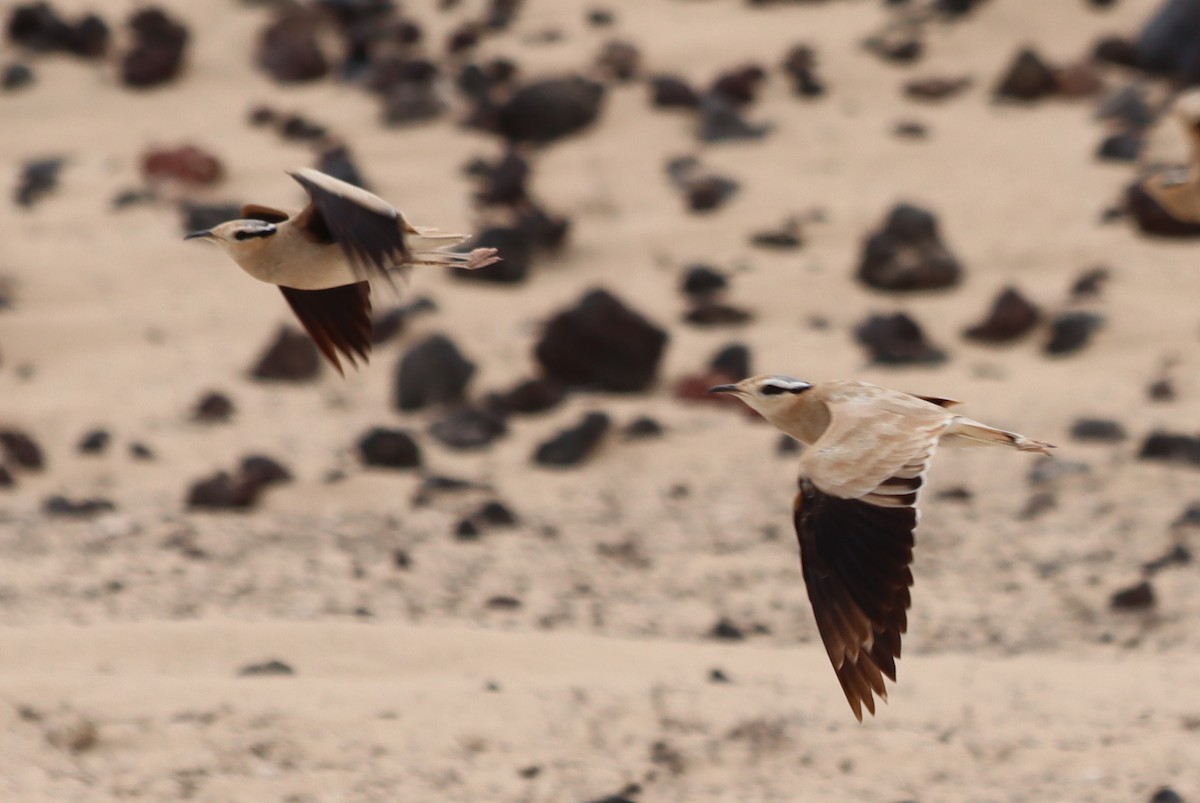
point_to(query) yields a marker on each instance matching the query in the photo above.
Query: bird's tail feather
(965, 432)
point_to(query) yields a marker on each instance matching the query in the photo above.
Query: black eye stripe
(246, 234)
(774, 389)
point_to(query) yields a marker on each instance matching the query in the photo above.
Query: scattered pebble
(16, 76)
(158, 48)
(39, 28)
(787, 237)
(716, 313)
(672, 92)
(94, 441)
(1138, 597)
(290, 357)
(642, 428)
(573, 445)
(39, 177)
(1071, 331)
(59, 505)
(468, 428)
(726, 630)
(271, 667)
(214, 407)
(550, 109)
(288, 48)
(936, 88)
(897, 339)
(21, 450)
(432, 372)
(800, 64)
(1098, 430)
(601, 343)
(1011, 317)
(908, 254)
(1028, 78)
(702, 281)
(389, 448)
(1169, 447)
(528, 396)
(240, 490)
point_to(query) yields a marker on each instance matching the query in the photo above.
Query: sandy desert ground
(569, 658)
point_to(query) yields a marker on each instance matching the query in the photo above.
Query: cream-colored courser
(868, 451)
(324, 257)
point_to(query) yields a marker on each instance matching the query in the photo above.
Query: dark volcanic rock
(716, 313)
(291, 357)
(739, 85)
(907, 254)
(1161, 390)
(213, 407)
(468, 428)
(550, 109)
(1169, 42)
(16, 76)
(1089, 283)
(619, 59)
(1139, 597)
(504, 182)
(701, 281)
(433, 371)
(897, 340)
(288, 49)
(20, 449)
(936, 88)
(1166, 794)
(732, 361)
(707, 192)
(1027, 78)
(220, 491)
(159, 43)
(721, 121)
(1152, 218)
(725, 630)
(642, 428)
(272, 667)
(1177, 555)
(39, 177)
(1098, 430)
(1071, 331)
(601, 343)
(575, 444)
(240, 490)
(1170, 447)
(786, 237)
(672, 92)
(801, 65)
(411, 103)
(528, 396)
(94, 442)
(1121, 146)
(59, 505)
(389, 448)
(38, 27)
(1011, 317)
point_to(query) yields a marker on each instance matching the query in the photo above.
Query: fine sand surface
(1018, 681)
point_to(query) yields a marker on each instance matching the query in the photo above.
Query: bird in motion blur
(324, 257)
(869, 449)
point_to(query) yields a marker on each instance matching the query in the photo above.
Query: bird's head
(771, 395)
(237, 237)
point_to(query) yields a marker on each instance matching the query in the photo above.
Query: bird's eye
(246, 234)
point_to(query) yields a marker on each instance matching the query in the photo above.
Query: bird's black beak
(723, 389)
(202, 234)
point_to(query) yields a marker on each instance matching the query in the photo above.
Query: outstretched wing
(854, 516)
(337, 319)
(367, 228)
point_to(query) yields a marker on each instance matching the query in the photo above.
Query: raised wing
(855, 557)
(367, 228)
(337, 319)
(854, 516)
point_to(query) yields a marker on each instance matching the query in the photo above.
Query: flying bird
(869, 451)
(324, 257)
